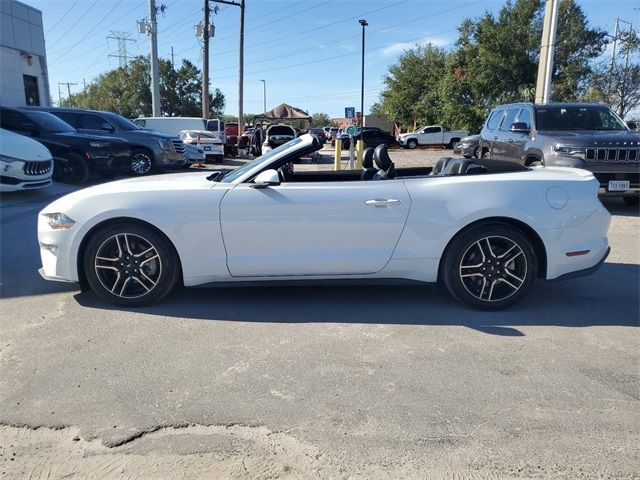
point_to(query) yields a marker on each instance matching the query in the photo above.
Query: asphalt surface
(317, 382)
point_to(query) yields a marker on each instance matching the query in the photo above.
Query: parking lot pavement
(359, 382)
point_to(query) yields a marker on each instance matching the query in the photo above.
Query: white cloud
(399, 47)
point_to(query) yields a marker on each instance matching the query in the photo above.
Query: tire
(535, 163)
(141, 163)
(486, 155)
(74, 171)
(475, 152)
(130, 265)
(412, 144)
(631, 200)
(489, 283)
(453, 143)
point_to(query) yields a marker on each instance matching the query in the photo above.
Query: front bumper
(169, 159)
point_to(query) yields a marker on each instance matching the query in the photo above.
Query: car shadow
(607, 298)
(616, 206)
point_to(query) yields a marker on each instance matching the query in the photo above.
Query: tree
(320, 119)
(127, 91)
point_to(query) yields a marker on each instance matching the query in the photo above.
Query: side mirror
(107, 126)
(519, 127)
(266, 179)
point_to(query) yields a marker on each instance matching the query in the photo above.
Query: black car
(150, 150)
(75, 155)
(373, 137)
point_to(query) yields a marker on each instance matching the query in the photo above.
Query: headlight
(8, 159)
(59, 221)
(164, 143)
(568, 150)
(100, 144)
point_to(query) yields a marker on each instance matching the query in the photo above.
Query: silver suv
(581, 135)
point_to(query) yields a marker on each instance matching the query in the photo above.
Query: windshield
(238, 172)
(577, 118)
(123, 123)
(50, 123)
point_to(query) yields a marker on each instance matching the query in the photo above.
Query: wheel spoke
(108, 267)
(124, 285)
(119, 246)
(489, 247)
(138, 255)
(521, 280)
(115, 284)
(137, 279)
(144, 262)
(484, 257)
(508, 283)
(126, 242)
(484, 285)
(146, 277)
(493, 284)
(512, 256)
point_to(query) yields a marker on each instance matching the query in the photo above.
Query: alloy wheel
(493, 268)
(140, 163)
(128, 265)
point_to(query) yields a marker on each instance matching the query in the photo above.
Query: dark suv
(149, 150)
(75, 155)
(581, 135)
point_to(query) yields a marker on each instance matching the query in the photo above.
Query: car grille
(37, 168)
(178, 146)
(613, 154)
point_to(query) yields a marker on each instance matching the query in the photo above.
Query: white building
(23, 63)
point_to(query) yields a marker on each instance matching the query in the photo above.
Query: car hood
(589, 138)
(147, 132)
(470, 138)
(155, 184)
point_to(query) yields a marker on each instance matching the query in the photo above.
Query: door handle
(495, 138)
(383, 202)
(511, 140)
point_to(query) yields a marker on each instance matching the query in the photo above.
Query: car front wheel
(489, 266)
(412, 144)
(141, 163)
(130, 265)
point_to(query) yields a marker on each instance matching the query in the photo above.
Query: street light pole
(264, 94)
(364, 24)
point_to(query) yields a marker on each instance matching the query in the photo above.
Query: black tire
(486, 155)
(535, 163)
(453, 143)
(412, 144)
(74, 171)
(489, 266)
(475, 152)
(631, 200)
(130, 265)
(141, 162)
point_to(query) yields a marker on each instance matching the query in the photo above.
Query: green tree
(127, 91)
(320, 119)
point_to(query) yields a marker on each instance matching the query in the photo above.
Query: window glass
(12, 120)
(432, 130)
(508, 119)
(525, 117)
(577, 118)
(70, 118)
(49, 123)
(91, 121)
(494, 119)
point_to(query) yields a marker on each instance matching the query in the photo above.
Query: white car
(209, 142)
(277, 135)
(431, 135)
(25, 164)
(485, 231)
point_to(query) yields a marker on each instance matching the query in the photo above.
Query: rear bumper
(584, 272)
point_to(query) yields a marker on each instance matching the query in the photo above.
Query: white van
(25, 164)
(174, 125)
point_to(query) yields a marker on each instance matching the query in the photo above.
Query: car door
(518, 140)
(313, 228)
(431, 136)
(503, 137)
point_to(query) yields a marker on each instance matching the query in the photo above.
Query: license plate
(618, 185)
(207, 148)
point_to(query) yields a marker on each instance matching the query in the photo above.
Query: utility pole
(172, 66)
(155, 71)
(241, 66)
(122, 38)
(205, 62)
(362, 122)
(68, 84)
(547, 51)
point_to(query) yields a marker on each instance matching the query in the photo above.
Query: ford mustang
(485, 231)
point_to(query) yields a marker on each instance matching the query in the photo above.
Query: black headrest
(381, 157)
(441, 165)
(367, 158)
(457, 166)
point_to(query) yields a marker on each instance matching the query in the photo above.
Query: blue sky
(308, 51)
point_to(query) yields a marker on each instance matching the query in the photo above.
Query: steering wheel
(285, 172)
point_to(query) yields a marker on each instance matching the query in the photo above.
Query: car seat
(368, 171)
(386, 168)
(440, 166)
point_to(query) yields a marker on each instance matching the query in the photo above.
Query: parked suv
(75, 155)
(582, 135)
(149, 149)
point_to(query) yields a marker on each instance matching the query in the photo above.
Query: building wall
(22, 52)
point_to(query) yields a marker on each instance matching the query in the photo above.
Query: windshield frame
(121, 122)
(296, 146)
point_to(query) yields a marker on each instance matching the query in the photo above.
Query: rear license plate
(618, 185)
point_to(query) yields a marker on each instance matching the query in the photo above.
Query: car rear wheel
(412, 144)
(141, 163)
(453, 143)
(490, 266)
(74, 170)
(130, 265)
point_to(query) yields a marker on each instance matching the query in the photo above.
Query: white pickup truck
(431, 135)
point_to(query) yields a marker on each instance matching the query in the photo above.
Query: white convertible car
(485, 231)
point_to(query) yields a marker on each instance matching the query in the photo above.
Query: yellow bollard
(359, 150)
(337, 158)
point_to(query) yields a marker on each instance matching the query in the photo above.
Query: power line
(64, 15)
(74, 25)
(122, 38)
